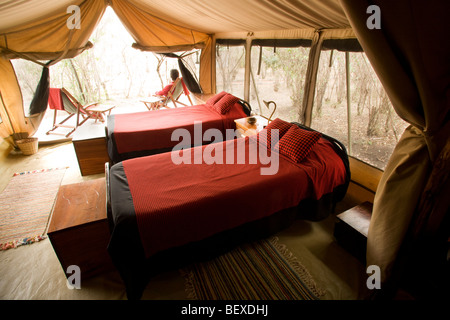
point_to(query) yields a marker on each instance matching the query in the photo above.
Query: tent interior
(408, 237)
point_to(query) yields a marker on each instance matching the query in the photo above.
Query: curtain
(152, 33)
(49, 37)
(45, 38)
(40, 98)
(11, 100)
(188, 77)
(412, 60)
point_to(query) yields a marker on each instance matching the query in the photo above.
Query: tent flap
(412, 62)
(51, 37)
(152, 33)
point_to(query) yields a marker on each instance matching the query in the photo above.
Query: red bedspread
(178, 204)
(153, 130)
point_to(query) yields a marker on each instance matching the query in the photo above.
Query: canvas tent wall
(407, 53)
(39, 29)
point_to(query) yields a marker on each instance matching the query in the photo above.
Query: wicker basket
(28, 146)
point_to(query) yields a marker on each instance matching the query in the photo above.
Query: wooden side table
(78, 228)
(247, 129)
(100, 111)
(153, 103)
(91, 149)
(352, 228)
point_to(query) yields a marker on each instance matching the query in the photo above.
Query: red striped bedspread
(152, 130)
(176, 204)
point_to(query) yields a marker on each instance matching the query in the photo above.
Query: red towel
(55, 99)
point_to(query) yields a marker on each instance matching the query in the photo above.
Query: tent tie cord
(61, 56)
(23, 56)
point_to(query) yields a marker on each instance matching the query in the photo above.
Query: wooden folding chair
(61, 99)
(174, 94)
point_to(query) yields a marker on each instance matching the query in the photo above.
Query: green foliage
(291, 63)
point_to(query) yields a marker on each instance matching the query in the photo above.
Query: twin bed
(146, 133)
(164, 213)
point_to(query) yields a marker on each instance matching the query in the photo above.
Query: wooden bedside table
(248, 130)
(91, 149)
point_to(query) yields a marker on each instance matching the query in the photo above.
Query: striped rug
(262, 270)
(25, 206)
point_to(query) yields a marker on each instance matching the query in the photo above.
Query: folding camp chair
(174, 94)
(61, 99)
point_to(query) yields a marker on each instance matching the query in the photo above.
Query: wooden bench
(78, 228)
(352, 228)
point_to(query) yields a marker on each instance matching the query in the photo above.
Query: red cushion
(225, 103)
(212, 101)
(297, 143)
(279, 124)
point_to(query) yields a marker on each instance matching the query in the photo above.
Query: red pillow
(212, 101)
(225, 103)
(297, 143)
(279, 124)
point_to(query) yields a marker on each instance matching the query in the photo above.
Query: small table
(100, 110)
(153, 103)
(247, 129)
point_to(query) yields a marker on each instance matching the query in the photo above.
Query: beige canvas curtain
(10, 100)
(412, 59)
(49, 37)
(38, 30)
(45, 38)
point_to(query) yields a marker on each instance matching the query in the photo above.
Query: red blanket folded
(178, 204)
(153, 130)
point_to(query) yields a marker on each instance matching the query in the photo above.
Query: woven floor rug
(26, 205)
(262, 270)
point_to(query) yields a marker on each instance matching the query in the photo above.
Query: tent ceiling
(209, 16)
(215, 16)
(14, 13)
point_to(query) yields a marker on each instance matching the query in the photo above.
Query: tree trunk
(77, 78)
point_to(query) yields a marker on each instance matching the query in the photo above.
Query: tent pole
(349, 118)
(305, 109)
(248, 48)
(256, 90)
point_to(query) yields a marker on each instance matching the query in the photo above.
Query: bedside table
(249, 130)
(91, 149)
